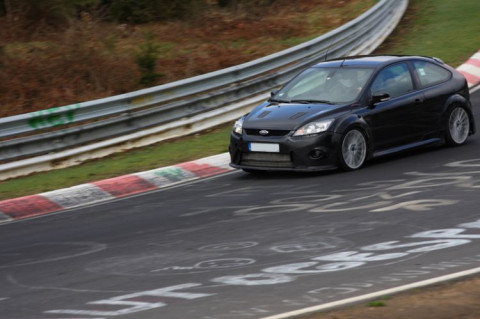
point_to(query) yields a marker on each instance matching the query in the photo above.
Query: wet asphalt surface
(246, 246)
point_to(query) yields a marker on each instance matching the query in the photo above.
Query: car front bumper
(303, 153)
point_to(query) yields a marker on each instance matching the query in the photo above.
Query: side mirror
(378, 97)
(273, 93)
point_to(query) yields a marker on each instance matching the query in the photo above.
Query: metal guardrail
(66, 135)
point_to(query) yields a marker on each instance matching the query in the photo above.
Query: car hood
(288, 116)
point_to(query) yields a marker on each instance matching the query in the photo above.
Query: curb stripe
(202, 170)
(471, 69)
(125, 185)
(166, 176)
(28, 206)
(475, 62)
(78, 195)
(476, 56)
(472, 79)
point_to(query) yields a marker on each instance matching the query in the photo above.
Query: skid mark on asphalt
(11, 279)
(62, 250)
(418, 192)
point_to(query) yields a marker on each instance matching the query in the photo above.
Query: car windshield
(325, 85)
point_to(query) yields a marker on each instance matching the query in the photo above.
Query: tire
(457, 127)
(353, 150)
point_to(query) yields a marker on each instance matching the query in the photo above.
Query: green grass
(442, 28)
(378, 303)
(158, 155)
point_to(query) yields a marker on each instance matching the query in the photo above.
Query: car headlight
(313, 128)
(237, 127)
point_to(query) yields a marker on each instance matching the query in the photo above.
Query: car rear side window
(394, 80)
(430, 74)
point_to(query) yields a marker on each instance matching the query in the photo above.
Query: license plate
(264, 147)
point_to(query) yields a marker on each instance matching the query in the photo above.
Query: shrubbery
(54, 12)
(59, 52)
(139, 11)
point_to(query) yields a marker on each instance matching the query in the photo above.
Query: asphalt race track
(245, 246)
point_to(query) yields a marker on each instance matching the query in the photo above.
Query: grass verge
(188, 148)
(442, 28)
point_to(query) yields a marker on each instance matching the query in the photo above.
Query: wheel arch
(459, 100)
(354, 121)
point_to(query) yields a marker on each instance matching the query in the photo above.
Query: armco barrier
(70, 134)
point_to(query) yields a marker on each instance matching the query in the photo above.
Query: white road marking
(132, 303)
(91, 248)
(370, 296)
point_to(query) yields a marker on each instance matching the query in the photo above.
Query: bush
(58, 12)
(3, 9)
(247, 4)
(142, 11)
(48, 12)
(76, 68)
(146, 59)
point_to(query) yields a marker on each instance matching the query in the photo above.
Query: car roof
(375, 61)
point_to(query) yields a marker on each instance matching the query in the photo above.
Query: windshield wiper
(312, 101)
(302, 101)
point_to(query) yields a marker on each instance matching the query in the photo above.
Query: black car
(342, 112)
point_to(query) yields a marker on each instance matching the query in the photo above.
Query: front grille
(270, 132)
(274, 160)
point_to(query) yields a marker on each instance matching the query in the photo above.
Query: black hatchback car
(342, 112)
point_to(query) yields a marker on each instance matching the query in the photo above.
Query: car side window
(430, 74)
(395, 80)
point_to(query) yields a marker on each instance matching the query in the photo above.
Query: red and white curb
(471, 69)
(108, 189)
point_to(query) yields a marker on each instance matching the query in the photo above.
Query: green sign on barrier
(53, 117)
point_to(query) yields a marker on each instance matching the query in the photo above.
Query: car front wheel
(353, 150)
(458, 126)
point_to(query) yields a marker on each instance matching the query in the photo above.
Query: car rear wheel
(353, 150)
(458, 126)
